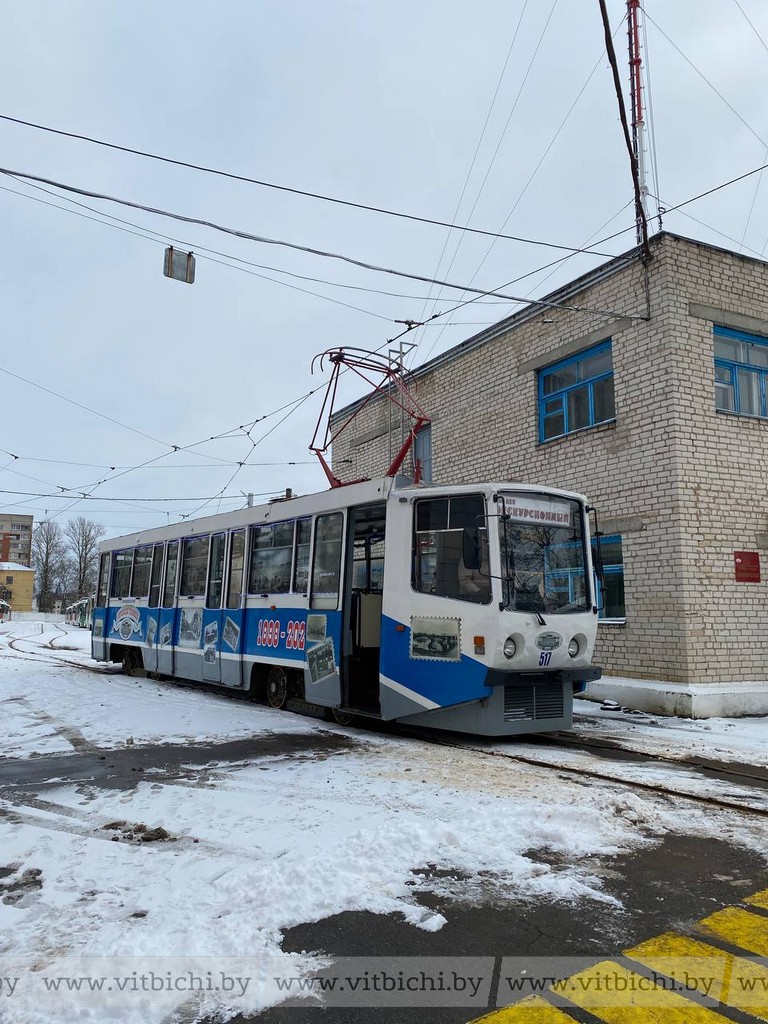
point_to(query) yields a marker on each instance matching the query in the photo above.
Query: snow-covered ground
(742, 740)
(47, 701)
(256, 847)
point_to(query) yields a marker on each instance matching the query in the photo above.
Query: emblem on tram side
(127, 622)
(548, 641)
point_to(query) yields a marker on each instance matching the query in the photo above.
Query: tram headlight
(509, 648)
(573, 647)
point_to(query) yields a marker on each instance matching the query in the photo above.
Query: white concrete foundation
(682, 700)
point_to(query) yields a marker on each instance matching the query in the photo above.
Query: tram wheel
(277, 687)
(342, 717)
(128, 661)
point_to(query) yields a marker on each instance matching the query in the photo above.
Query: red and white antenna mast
(636, 98)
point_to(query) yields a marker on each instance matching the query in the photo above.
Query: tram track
(52, 646)
(756, 777)
(581, 771)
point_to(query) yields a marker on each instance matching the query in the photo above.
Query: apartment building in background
(644, 385)
(16, 538)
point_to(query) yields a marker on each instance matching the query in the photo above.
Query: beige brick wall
(689, 484)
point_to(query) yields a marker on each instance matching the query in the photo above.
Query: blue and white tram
(470, 608)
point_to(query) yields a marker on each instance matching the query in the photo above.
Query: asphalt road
(660, 886)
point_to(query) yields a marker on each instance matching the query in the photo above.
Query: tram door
(153, 614)
(212, 626)
(362, 612)
(231, 620)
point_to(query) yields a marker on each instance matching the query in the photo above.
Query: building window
(422, 453)
(576, 393)
(612, 605)
(741, 372)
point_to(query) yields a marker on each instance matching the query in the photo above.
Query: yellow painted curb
(533, 1010)
(613, 993)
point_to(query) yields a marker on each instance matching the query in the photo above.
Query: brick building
(644, 386)
(16, 538)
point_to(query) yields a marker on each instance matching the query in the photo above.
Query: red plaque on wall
(747, 566)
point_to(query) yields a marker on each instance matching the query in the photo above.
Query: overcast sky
(380, 103)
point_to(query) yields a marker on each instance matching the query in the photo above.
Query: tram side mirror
(471, 552)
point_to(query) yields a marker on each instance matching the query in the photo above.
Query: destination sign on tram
(523, 508)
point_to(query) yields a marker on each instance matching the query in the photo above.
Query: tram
(79, 613)
(470, 608)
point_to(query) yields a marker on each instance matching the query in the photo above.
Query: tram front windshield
(543, 553)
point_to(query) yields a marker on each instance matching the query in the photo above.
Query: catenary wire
(752, 25)
(282, 188)
(760, 176)
(184, 465)
(248, 236)
(146, 232)
(651, 119)
(552, 267)
(704, 78)
(614, 235)
(717, 231)
(423, 313)
(493, 158)
(528, 183)
(467, 302)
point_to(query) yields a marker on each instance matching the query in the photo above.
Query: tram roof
(334, 499)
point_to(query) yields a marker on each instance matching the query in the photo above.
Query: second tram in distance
(469, 608)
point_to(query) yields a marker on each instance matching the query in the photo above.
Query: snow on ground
(106, 708)
(256, 848)
(743, 740)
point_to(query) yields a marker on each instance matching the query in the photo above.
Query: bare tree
(49, 557)
(84, 536)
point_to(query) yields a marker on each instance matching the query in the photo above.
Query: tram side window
(171, 564)
(194, 563)
(236, 565)
(103, 580)
(141, 564)
(271, 554)
(157, 572)
(368, 564)
(121, 574)
(326, 570)
(301, 560)
(216, 575)
(438, 567)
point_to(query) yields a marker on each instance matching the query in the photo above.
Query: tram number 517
(545, 657)
(269, 634)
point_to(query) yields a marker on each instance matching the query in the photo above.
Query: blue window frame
(612, 605)
(565, 580)
(577, 393)
(741, 372)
